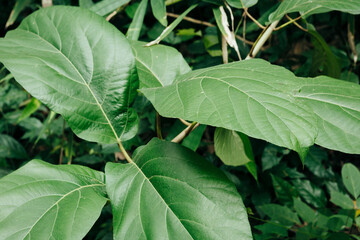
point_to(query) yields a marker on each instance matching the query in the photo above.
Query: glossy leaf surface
(308, 7)
(173, 193)
(158, 65)
(267, 102)
(50, 202)
(80, 66)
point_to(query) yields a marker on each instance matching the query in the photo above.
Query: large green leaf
(80, 66)
(245, 96)
(158, 65)
(308, 7)
(170, 192)
(43, 201)
(267, 102)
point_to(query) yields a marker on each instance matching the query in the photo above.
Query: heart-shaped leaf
(306, 7)
(80, 66)
(170, 192)
(50, 202)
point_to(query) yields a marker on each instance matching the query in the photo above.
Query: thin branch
(296, 24)
(62, 144)
(253, 19)
(224, 50)
(190, 19)
(287, 23)
(262, 39)
(111, 15)
(196, 21)
(185, 132)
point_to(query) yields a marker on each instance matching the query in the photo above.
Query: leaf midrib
(82, 78)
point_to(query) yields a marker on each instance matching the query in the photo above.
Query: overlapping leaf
(173, 193)
(308, 7)
(80, 66)
(43, 201)
(158, 65)
(267, 102)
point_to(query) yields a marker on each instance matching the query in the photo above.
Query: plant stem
(184, 122)
(158, 126)
(261, 41)
(253, 19)
(296, 24)
(126, 155)
(185, 132)
(62, 144)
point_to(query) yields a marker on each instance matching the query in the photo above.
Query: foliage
(132, 139)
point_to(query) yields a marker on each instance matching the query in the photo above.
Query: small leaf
(158, 65)
(171, 27)
(170, 192)
(159, 11)
(10, 148)
(105, 7)
(242, 3)
(20, 5)
(50, 202)
(230, 148)
(305, 212)
(272, 156)
(307, 8)
(310, 193)
(134, 29)
(30, 108)
(284, 191)
(287, 217)
(341, 200)
(90, 79)
(351, 178)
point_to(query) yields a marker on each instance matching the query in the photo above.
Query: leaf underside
(267, 102)
(80, 66)
(173, 193)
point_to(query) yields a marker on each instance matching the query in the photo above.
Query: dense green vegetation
(174, 119)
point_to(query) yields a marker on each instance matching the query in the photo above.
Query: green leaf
(305, 212)
(267, 102)
(280, 213)
(159, 11)
(10, 148)
(244, 96)
(170, 192)
(351, 178)
(323, 58)
(341, 200)
(312, 194)
(307, 8)
(272, 156)
(30, 108)
(105, 7)
(134, 29)
(272, 228)
(315, 161)
(242, 3)
(86, 3)
(83, 69)
(171, 27)
(193, 140)
(44, 201)
(230, 148)
(284, 191)
(158, 65)
(20, 5)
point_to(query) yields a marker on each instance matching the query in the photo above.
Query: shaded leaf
(312, 194)
(20, 5)
(287, 217)
(230, 148)
(351, 179)
(304, 211)
(284, 191)
(47, 201)
(134, 29)
(309, 7)
(82, 69)
(170, 192)
(272, 156)
(159, 11)
(10, 148)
